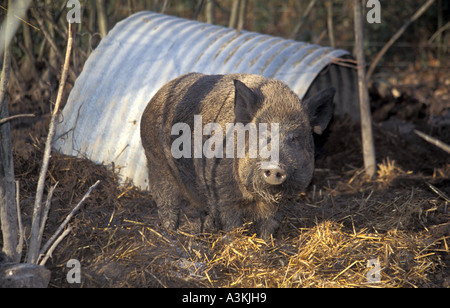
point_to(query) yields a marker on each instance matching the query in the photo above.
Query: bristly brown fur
(227, 189)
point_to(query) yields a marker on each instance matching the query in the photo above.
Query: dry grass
(326, 255)
(310, 251)
(327, 239)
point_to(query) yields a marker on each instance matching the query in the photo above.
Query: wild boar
(199, 132)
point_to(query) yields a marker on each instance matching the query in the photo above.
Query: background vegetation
(39, 43)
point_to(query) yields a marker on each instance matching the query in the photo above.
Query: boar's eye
(294, 137)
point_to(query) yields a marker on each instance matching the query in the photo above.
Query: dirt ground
(340, 227)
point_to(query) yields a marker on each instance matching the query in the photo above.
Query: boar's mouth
(273, 193)
(253, 180)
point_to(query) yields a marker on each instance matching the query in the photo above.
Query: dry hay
(342, 222)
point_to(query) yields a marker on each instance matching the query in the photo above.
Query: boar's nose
(274, 175)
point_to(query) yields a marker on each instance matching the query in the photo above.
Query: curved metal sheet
(141, 53)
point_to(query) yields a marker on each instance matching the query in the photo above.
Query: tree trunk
(242, 15)
(102, 18)
(210, 7)
(366, 120)
(330, 25)
(8, 209)
(234, 14)
(28, 68)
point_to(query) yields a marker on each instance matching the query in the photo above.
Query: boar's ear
(245, 103)
(320, 109)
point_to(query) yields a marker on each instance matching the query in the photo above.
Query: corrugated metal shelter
(141, 53)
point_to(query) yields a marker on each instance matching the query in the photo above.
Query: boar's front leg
(167, 195)
(169, 207)
(267, 226)
(231, 215)
(209, 220)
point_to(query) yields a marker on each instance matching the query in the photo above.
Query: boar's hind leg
(168, 201)
(169, 212)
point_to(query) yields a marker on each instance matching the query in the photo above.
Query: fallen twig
(439, 192)
(434, 141)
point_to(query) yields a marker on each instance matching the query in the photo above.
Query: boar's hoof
(274, 176)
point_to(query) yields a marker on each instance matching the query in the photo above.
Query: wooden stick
(102, 17)
(366, 119)
(198, 9)
(19, 221)
(438, 32)
(330, 25)
(439, 192)
(210, 16)
(434, 141)
(165, 6)
(242, 15)
(18, 116)
(46, 210)
(68, 218)
(58, 240)
(33, 252)
(8, 210)
(234, 14)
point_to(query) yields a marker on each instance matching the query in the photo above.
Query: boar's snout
(274, 175)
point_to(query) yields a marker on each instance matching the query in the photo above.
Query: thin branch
(210, 7)
(165, 6)
(198, 9)
(28, 115)
(102, 17)
(234, 14)
(353, 64)
(439, 192)
(330, 25)
(438, 32)
(68, 218)
(35, 227)
(19, 221)
(396, 36)
(46, 210)
(302, 19)
(51, 41)
(55, 244)
(434, 141)
(242, 15)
